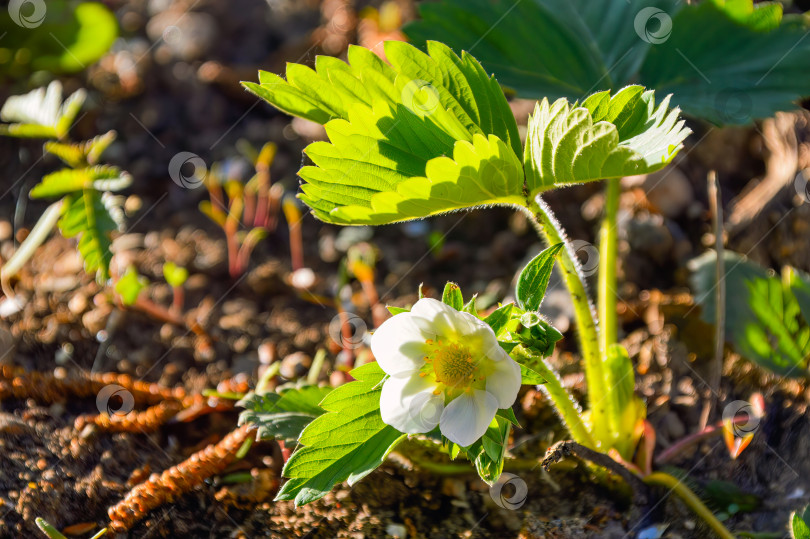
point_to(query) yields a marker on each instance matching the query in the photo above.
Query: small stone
(396, 530)
(78, 303)
(6, 230)
(295, 365)
(95, 320)
(267, 352)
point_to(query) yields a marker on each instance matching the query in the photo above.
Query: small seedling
(247, 212)
(176, 276)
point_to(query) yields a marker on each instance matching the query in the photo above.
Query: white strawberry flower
(445, 368)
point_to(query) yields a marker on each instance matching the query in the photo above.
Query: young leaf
(499, 318)
(533, 280)
(347, 443)
(283, 415)
(41, 113)
(749, 62)
(452, 296)
(86, 214)
(175, 275)
(606, 137)
(130, 286)
(65, 181)
(81, 153)
(488, 452)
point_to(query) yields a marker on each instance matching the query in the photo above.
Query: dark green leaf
(529, 377)
(500, 318)
(509, 415)
(284, 414)
(347, 443)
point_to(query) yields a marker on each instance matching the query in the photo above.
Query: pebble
(267, 352)
(396, 530)
(186, 35)
(668, 190)
(295, 365)
(6, 230)
(95, 320)
(78, 303)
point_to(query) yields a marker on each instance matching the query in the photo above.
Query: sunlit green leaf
(130, 286)
(533, 279)
(283, 415)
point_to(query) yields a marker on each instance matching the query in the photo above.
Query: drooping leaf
(452, 296)
(764, 318)
(606, 137)
(347, 443)
(41, 113)
(533, 279)
(130, 286)
(727, 61)
(283, 415)
(489, 451)
(86, 215)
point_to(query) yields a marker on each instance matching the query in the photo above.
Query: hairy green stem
(608, 239)
(549, 228)
(690, 499)
(564, 403)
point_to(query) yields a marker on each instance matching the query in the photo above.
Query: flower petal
(434, 317)
(467, 417)
(399, 345)
(408, 404)
(504, 382)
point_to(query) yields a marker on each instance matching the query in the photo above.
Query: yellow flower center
(452, 364)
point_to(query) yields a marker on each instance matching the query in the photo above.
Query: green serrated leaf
(80, 154)
(533, 279)
(388, 124)
(130, 286)
(283, 415)
(86, 215)
(530, 377)
(452, 296)
(469, 307)
(623, 136)
(500, 318)
(346, 443)
(749, 62)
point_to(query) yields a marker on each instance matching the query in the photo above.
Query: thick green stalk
(608, 239)
(564, 403)
(690, 499)
(548, 227)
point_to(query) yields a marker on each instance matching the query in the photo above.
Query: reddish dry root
(148, 420)
(175, 481)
